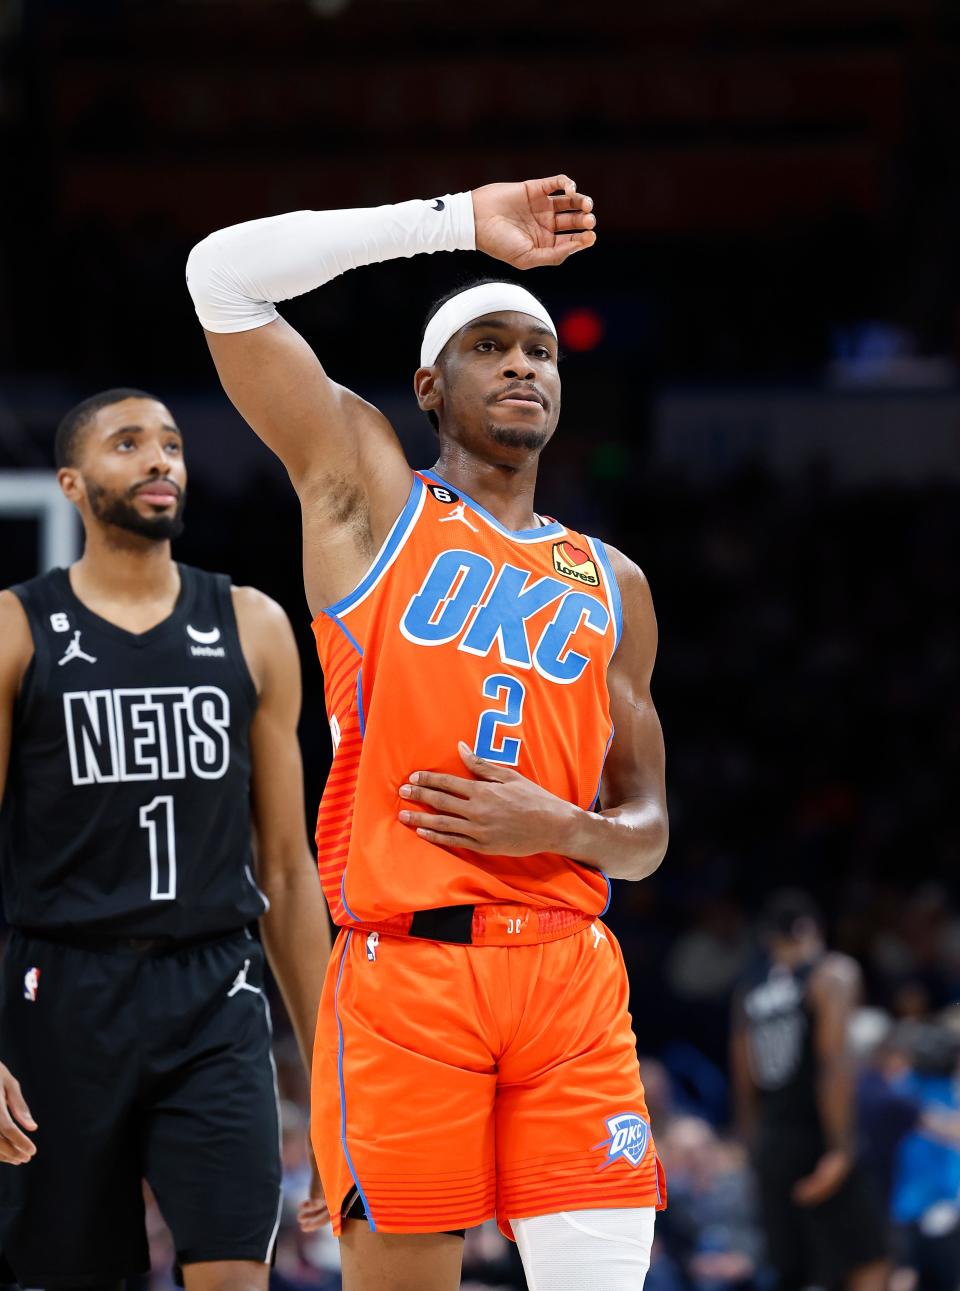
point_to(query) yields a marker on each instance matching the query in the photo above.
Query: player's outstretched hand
(313, 1212)
(536, 223)
(497, 810)
(15, 1147)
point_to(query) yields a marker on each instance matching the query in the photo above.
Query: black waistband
(78, 940)
(446, 923)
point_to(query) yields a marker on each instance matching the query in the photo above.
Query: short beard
(510, 437)
(120, 512)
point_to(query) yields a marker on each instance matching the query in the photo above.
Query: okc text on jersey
(461, 586)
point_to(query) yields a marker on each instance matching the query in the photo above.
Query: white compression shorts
(586, 1250)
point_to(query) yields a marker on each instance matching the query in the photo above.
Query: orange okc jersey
(462, 630)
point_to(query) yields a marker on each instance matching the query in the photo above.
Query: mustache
(519, 387)
(154, 479)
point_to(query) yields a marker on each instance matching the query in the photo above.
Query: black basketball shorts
(138, 1065)
(817, 1245)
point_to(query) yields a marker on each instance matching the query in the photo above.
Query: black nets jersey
(780, 1041)
(127, 804)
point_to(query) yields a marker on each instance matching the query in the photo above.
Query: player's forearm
(625, 842)
(835, 1102)
(236, 276)
(296, 937)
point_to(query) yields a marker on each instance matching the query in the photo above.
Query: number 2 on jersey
(509, 693)
(157, 819)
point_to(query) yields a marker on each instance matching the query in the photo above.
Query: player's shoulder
(31, 589)
(635, 596)
(258, 612)
(628, 572)
(15, 634)
(13, 615)
(267, 640)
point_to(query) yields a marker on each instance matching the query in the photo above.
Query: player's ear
(428, 387)
(71, 483)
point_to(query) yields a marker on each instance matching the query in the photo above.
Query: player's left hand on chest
(495, 810)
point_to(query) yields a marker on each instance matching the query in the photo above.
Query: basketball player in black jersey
(795, 1087)
(147, 709)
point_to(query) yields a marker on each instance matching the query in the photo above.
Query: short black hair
(66, 446)
(442, 300)
(787, 908)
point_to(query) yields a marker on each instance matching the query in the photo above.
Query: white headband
(488, 298)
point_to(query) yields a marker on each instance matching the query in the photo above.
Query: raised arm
(341, 454)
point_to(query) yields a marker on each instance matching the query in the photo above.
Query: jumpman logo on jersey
(598, 935)
(458, 514)
(74, 651)
(240, 982)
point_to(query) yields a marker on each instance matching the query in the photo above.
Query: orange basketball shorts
(452, 1083)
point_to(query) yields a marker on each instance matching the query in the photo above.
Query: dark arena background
(761, 407)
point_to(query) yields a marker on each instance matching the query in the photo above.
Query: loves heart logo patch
(573, 562)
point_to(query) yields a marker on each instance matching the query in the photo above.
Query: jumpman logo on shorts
(240, 982)
(73, 651)
(458, 514)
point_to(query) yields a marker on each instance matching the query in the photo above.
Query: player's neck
(505, 491)
(141, 572)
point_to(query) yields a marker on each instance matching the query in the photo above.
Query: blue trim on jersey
(345, 630)
(343, 1100)
(602, 765)
(343, 899)
(363, 720)
(383, 557)
(609, 895)
(596, 797)
(600, 551)
(545, 531)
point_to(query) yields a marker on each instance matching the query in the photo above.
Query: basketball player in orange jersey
(487, 677)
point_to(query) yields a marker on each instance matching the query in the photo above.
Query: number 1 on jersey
(157, 819)
(509, 693)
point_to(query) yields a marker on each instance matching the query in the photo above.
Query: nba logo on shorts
(629, 1136)
(31, 983)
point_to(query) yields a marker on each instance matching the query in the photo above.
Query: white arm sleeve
(235, 276)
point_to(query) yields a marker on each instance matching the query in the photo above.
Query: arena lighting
(581, 329)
